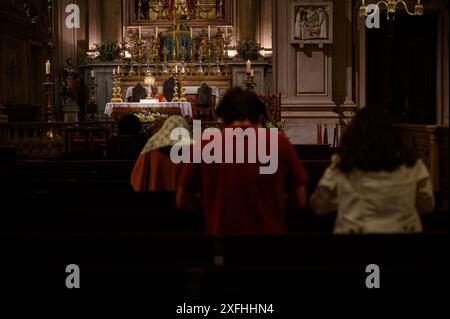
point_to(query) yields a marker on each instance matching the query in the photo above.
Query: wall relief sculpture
(312, 22)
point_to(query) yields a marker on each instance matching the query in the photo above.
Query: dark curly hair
(373, 143)
(129, 125)
(240, 105)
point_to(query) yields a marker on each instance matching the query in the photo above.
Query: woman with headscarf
(154, 170)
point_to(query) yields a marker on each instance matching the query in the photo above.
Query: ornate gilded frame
(131, 21)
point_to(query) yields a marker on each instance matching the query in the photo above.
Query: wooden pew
(109, 213)
(102, 187)
(223, 267)
(314, 152)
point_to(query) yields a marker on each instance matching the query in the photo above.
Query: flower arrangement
(151, 120)
(149, 117)
(248, 49)
(107, 50)
(280, 125)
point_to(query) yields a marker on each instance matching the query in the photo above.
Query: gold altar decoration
(199, 51)
(183, 88)
(136, 45)
(149, 81)
(207, 10)
(176, 97)
(391, 6)
(117, 90)
(192, 55)
(48, 84)
(250, 82)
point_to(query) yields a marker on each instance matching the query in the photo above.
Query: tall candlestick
(249, 67)
(192, 33)
(209, 31)
(47, 67)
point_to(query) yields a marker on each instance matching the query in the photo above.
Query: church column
(248, 19)
(94, 22)
(111, 20)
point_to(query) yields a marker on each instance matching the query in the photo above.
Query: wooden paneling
(22, 52)
(430, 142)
(442, 134)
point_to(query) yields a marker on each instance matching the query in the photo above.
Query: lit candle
(47, 67)
(252, 73)
(92, 74)
(192, 33)
(209, 31)
(249, 67)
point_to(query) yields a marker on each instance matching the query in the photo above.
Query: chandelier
(391, 6)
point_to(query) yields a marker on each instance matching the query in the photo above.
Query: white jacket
(375, 202)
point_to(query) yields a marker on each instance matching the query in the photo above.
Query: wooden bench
(223, 267)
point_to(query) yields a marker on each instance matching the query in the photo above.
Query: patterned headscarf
(162, 139)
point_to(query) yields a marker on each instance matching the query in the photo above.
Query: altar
(185, 108)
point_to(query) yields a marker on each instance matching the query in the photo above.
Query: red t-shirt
(237, 198)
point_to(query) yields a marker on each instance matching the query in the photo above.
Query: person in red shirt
(238, 198)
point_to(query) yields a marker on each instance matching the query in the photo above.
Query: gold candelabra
(250, 83)
(209, 59)
(391, 6)
(176, 97)
(117, 90)
(227, 44)
(123, 49)
(183, 89)
(48, 84)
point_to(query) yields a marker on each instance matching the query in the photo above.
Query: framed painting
(195, 13)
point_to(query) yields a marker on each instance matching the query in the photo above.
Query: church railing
(41, 139)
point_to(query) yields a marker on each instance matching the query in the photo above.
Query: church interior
(72, 72)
